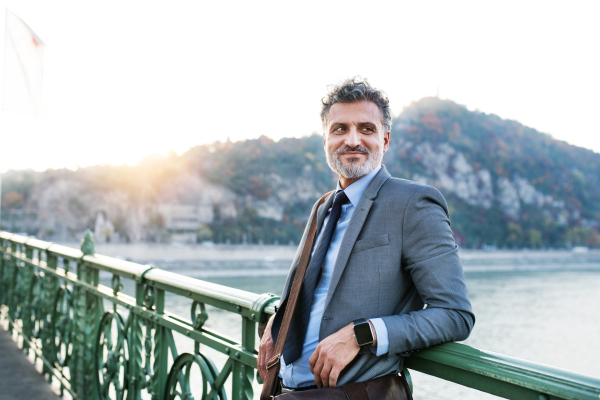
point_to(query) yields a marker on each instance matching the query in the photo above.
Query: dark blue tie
(299, 324)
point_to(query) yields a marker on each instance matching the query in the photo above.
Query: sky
(126, 79)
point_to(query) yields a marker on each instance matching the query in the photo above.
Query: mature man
(389, 259)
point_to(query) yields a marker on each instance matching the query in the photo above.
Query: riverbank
(279, 257)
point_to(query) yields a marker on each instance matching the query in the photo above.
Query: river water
(538, 306)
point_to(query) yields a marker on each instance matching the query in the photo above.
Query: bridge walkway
(19, 378)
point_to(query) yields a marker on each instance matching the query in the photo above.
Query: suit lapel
(355, 225)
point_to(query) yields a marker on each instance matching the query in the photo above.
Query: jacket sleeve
(430, 256)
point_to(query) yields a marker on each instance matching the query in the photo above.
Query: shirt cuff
(383, 341)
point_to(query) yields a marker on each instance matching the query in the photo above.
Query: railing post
(136, 337)
(88, 311)
(243, 375)
(95, 310)
(50, 286)
(12, 291)
(2, 269)
(28, 273)
(3, 274)
(77, 364)
(160, 367)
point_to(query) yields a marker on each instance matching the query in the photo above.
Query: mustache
(348, 149)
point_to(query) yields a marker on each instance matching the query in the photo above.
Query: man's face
(354, 138)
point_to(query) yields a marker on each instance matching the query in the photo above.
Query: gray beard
(354, 170)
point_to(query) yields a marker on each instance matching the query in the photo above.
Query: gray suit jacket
(398, 261)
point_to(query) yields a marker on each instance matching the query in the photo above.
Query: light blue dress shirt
(298, 373)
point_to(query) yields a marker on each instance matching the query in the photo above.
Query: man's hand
(332, 355)
(265, 349)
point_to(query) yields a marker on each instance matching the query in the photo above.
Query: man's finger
(263, 368)
(311, 362)
(316, 370)
(325, 375)
(318, 381)
(260, 363)
(265, 352)
(265, 349)
(333, 376)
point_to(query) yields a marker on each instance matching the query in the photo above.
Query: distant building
(104, 230)
(182, 221)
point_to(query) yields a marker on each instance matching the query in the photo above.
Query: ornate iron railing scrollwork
(112, 357)
(180, 374)
(62, 326)
(4, 284)
(20, 289)
(147, 370)
(199, 318)
(116, 284)
(149, 297)
(35, 317)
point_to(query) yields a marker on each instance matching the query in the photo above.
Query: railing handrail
(491, 372)
(499, 369)
(134, 271)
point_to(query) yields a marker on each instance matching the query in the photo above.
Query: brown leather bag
(389, 387)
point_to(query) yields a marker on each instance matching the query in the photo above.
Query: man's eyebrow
(337, 124)
(366, 124)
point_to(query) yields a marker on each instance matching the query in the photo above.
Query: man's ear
(386, 141)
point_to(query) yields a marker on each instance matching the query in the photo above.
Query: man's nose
(353, 137)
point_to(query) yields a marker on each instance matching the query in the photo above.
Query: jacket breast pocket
(369, 243)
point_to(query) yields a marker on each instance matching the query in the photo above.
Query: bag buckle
(273, 362)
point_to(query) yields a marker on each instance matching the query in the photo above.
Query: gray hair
(353, 90)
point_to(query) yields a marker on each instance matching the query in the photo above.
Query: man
(390, 258)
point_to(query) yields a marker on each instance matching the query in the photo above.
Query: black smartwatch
(362, 333)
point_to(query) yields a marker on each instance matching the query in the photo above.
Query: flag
(23, 69)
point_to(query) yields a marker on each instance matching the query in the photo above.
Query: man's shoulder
(400, 194)
(403, 187)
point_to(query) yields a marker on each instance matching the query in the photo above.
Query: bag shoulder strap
(270, 386)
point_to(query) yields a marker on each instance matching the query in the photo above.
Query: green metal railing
(51, 296)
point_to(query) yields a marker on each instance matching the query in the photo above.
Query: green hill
(506, 185)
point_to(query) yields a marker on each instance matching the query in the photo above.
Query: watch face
(363, 334)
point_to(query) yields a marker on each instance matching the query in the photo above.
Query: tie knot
(341, 198)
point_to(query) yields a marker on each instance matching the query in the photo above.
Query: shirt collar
(356, 189)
